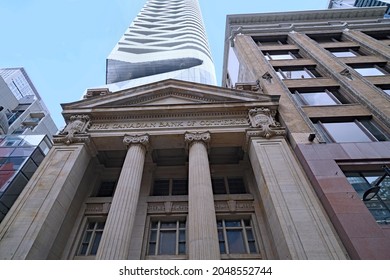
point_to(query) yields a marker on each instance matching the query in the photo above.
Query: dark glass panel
(5, 179)
(182, 248)
(236, 242)
(23, 151)
(161, 187)
(152, 248)
(236, 185)
(153, 236)
(106, 189)
(218, 185)
(168, 225)
(234, 223)
(222, 248)
(167, 243)
(179, 187)
(96, 241)
(29, 168)
(5, 152)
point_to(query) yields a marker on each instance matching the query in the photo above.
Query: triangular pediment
(170, 99)
(168, 92)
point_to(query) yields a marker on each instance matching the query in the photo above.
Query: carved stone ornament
(75, 131)
(167, 207)
(264, 119)
(268, 77)
(191, 137)
(142, 139)
(346, 73)
(96, 92)
(234, 206)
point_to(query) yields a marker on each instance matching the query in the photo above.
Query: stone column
(202, 227)
(115, 243)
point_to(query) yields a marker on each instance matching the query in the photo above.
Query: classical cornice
(191, 91)
(307, 16)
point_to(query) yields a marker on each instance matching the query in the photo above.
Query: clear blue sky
(63, 44)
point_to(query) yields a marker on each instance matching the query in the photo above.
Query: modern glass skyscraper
(26, 130)
(166, 40)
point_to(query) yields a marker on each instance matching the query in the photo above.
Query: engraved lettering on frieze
(75, 131)
(244, 206)
(156, 207)
(168, 207)
(180, 207)
(233, 206)
(93, 208)
(171, 124)
(221, 206)
(264, 120)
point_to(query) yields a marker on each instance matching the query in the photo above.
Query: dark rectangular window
(236, 236)
(163, 187)
(316, 98)
(91, 238)
(351, 131)
(373, 187)
(228, 185)
(106, 189)
(303, 73)
(167, 238)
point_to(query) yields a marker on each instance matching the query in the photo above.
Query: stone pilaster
(297, 221)
(30, 229)
(202, 227)
(115, 243)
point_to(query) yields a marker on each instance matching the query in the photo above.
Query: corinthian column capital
(191, 137)
(137, 139)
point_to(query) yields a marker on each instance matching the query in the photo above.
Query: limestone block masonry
(297, 221)
(30, 230)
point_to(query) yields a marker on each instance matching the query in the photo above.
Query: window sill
(241, 256)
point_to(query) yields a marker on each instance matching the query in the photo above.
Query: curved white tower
(166, 40)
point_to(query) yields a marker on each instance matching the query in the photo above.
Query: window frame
(83, 233)
(227, 185)
(370, 134)
(243, 228)
(311, 72)
(166, 219)
(170, 187)
(303, 101)
(268, 55)
(384, 203)
(378, 68)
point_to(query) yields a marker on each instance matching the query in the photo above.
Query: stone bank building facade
(170, 170)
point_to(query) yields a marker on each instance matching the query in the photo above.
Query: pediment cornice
(183, 92)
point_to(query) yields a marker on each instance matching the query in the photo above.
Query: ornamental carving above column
(138, 139)
(75, 131)
(264, 120)
(191, 137)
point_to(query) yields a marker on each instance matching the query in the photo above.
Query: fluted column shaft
(202, 227)
(115, 243)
